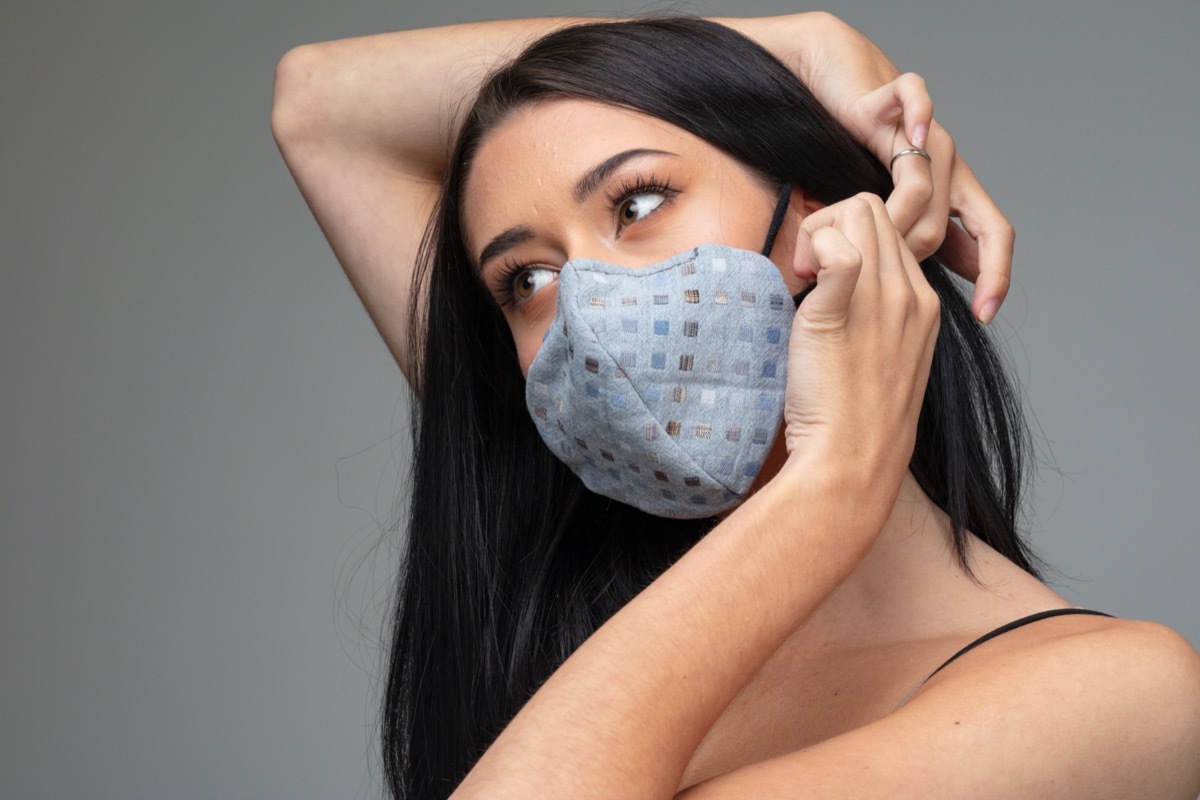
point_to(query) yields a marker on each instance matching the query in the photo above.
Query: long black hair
(511, 563)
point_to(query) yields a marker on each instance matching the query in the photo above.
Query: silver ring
(912, 151)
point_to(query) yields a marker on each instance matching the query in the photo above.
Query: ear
(792, 251)
(804, 203)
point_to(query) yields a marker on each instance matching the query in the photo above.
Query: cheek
(528, 343)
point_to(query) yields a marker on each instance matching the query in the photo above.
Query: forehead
(533, 158)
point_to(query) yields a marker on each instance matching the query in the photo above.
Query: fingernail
(989, 311)
(919, 134)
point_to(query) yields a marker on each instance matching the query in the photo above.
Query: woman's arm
(365, 125)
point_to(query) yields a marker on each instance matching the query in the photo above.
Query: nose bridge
(582, 244)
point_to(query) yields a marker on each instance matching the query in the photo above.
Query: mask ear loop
(781, 205)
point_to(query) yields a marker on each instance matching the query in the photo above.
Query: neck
(909, 578)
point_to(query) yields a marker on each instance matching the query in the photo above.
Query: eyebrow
(602, 171)
(584, 188)
(512, 237)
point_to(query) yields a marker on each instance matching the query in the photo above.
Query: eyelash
(503, 287)
(638, 184)
(630, 188)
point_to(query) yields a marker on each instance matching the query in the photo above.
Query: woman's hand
(888, 112)
(861, 346)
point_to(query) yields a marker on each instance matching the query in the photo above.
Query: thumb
(838, 264)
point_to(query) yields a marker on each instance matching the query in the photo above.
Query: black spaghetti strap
(1017, 623)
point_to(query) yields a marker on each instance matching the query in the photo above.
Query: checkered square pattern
(687, 357)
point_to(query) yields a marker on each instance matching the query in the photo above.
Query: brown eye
(637, 207)
(528, 281)
(523, 285)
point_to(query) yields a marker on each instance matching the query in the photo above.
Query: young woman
(671, 533)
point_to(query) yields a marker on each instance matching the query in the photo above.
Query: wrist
(856, 493)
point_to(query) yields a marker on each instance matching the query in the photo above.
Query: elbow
(295, 102)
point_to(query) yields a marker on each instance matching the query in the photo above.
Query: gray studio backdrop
(201, 427)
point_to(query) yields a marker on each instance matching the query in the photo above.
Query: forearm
(625, 713)
(399, 94)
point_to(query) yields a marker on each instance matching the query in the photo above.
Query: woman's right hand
(860, 350)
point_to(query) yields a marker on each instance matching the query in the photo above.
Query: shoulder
(1102, 658)
(1073, 707)
(1119, 697)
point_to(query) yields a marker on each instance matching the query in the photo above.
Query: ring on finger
(912, 151)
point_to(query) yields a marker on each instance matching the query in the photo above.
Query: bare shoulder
(1102, 658)
(1122, 696)
(1073, 707)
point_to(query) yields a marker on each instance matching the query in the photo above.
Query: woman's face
(568, 179)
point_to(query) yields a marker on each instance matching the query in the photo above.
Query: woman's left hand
(898, 117)
(888, 113)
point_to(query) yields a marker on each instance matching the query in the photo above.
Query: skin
(525, 173)
(814, 714)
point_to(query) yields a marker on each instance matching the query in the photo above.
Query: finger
(925, 316)
(894, 279)
(958, 252)
(913, 177)
(906, 98)
(855, 219)
(994, 236)
(920, 211)
(840, 266)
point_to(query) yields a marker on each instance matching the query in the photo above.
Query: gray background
(199, 419)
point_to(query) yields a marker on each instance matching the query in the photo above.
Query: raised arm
(365, 126)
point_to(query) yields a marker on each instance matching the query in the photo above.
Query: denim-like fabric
(663, 386)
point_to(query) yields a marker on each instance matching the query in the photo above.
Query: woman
(782, 641)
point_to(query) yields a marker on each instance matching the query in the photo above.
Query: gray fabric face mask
(662, 387)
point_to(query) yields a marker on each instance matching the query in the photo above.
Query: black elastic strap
(798, 298)
(785, 195)
(1054, 612)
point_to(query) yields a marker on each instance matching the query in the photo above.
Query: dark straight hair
(511, 563)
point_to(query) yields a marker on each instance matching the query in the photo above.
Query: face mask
(662, 387)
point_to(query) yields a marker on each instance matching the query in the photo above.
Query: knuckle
(935, 323)
(926, 236)
(833, 252)
(912, 86)
(931, 302)
(859, 204)
(941, 144)
(912, 80)
(921, 188)
(950, 147)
